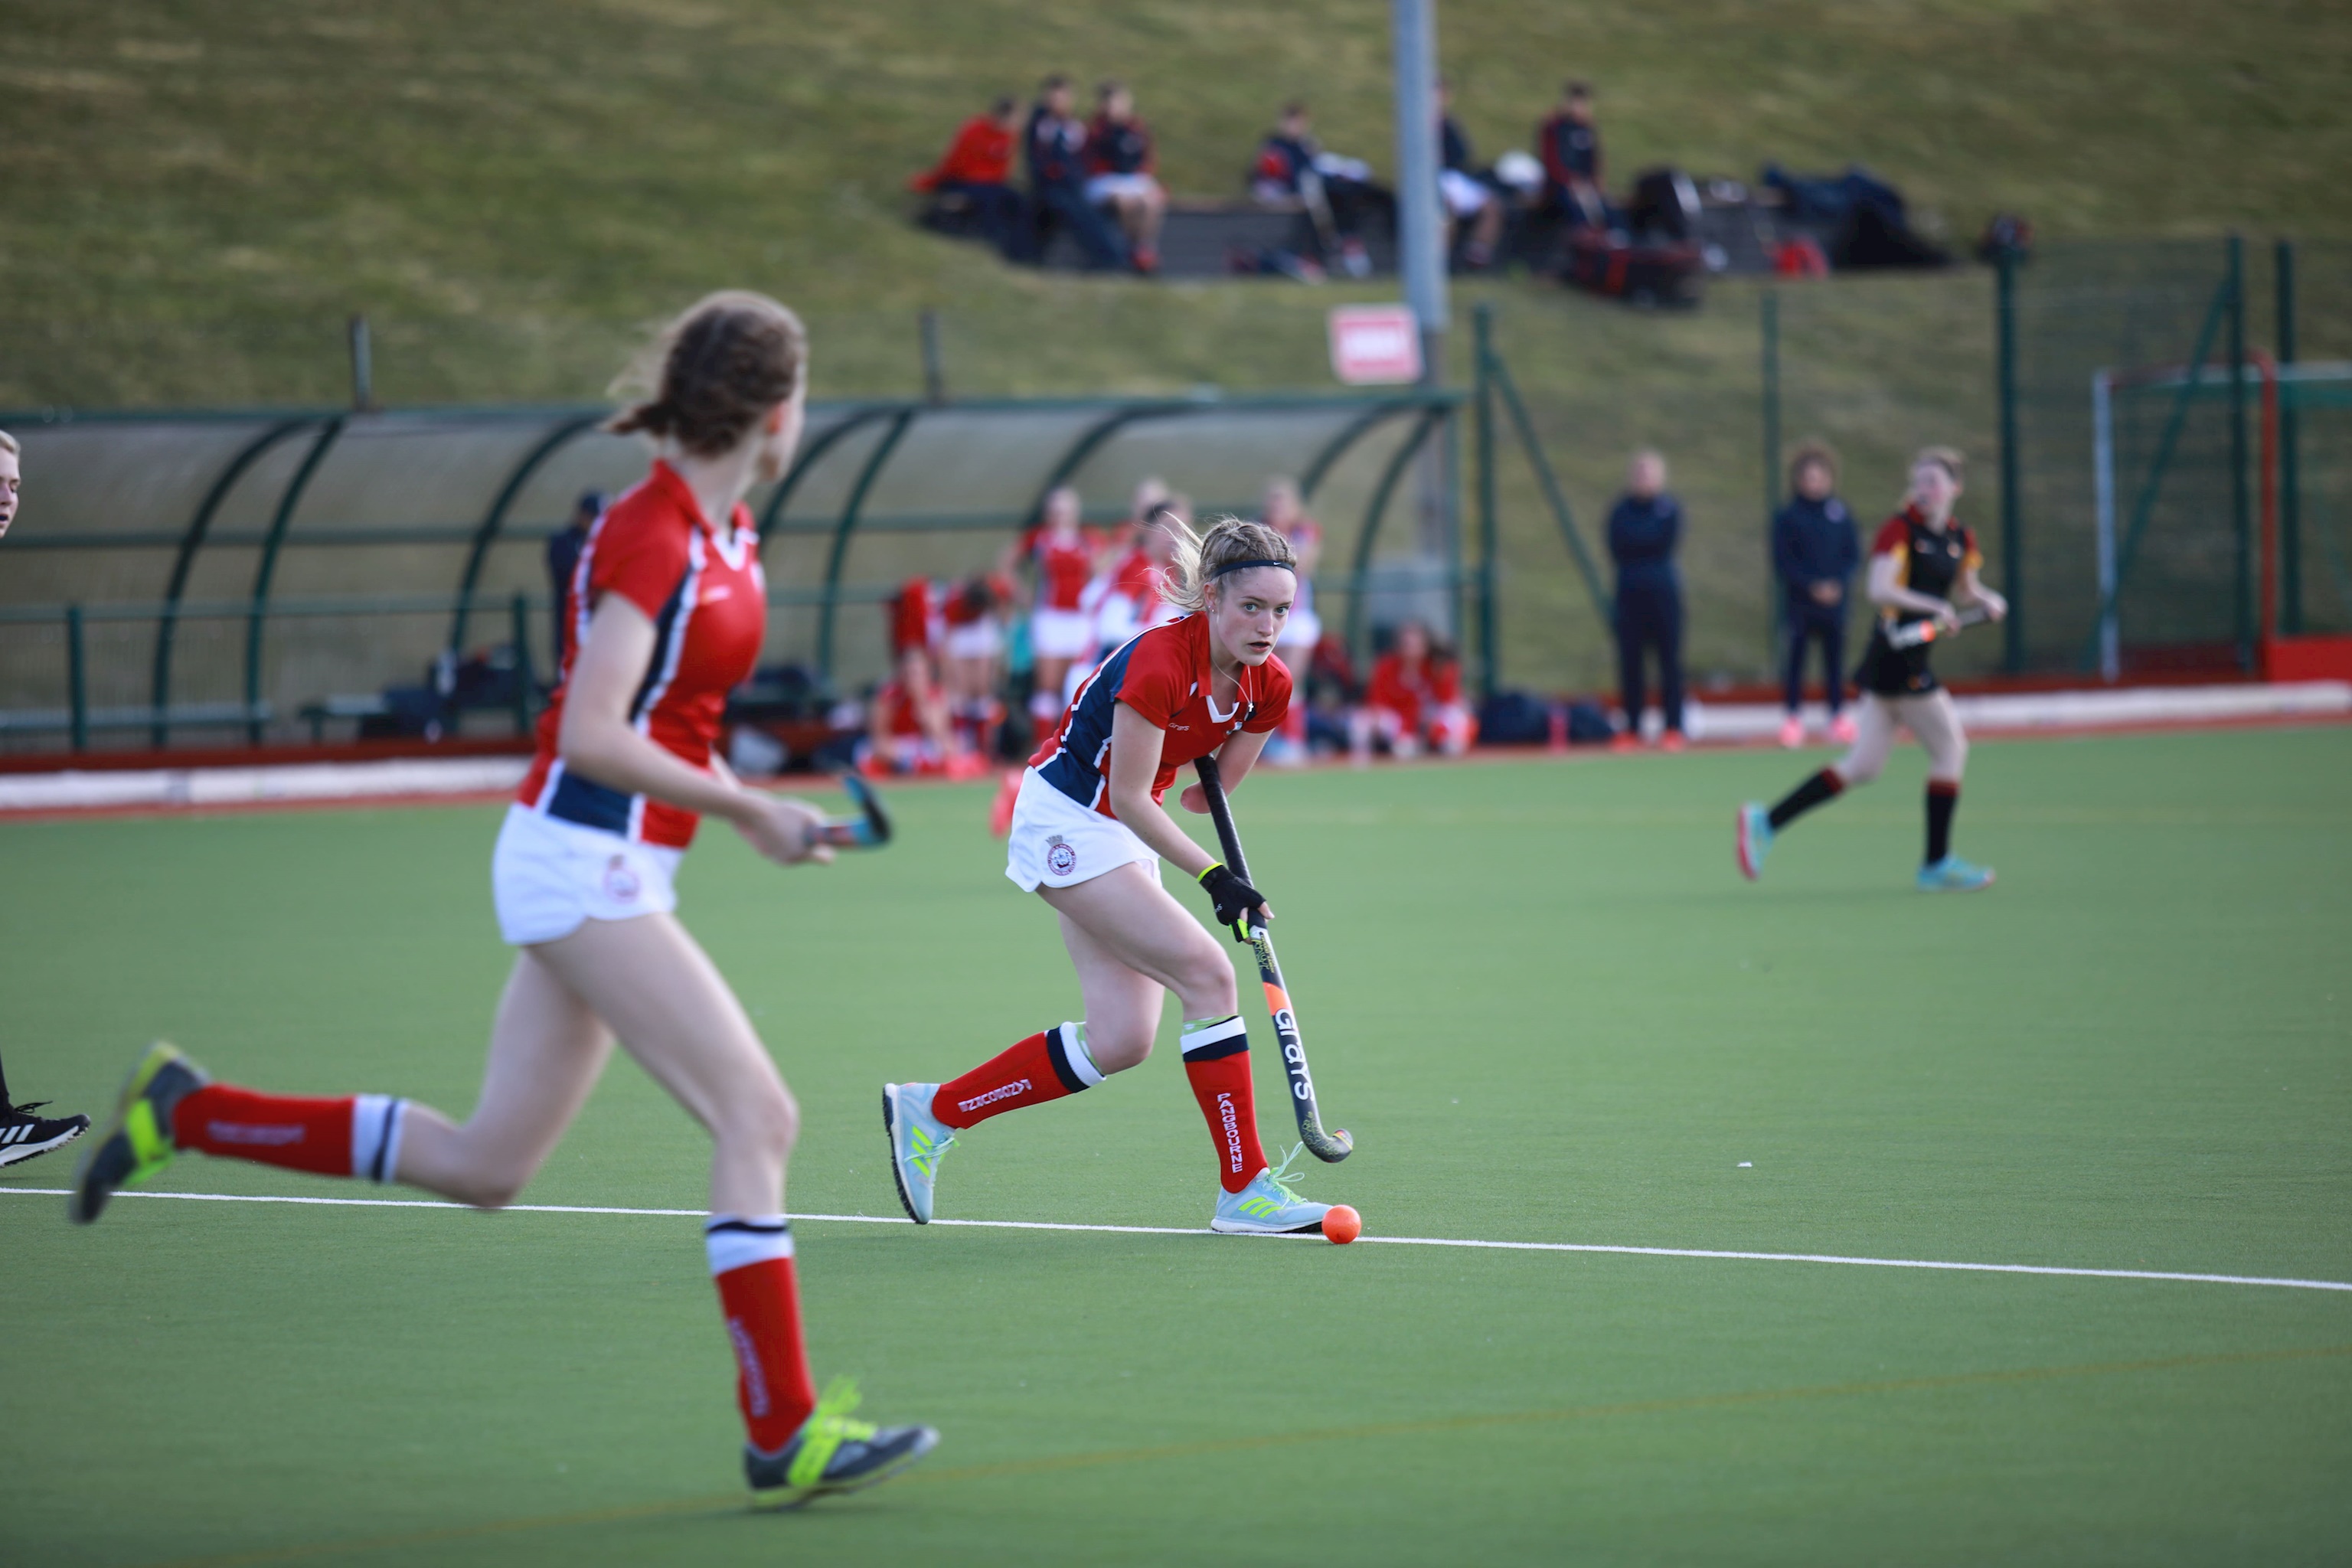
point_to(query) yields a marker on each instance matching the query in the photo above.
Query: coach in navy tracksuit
(1645, 528)
(1815, 550)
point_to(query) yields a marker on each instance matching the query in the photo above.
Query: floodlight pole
(1421, 251)
(1421, 240)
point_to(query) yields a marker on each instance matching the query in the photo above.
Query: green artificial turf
(1550, 1010)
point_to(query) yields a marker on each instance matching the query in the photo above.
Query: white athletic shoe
(918, 1139)
(1266, 1207)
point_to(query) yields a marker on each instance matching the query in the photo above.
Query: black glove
(1233, 898)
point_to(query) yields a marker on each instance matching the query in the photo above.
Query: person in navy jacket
(1815, 550)
(1645, 527)
(1054, 147)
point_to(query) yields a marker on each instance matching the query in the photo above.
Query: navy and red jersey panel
(1117, 147)
(1571, 151)
(1064, 567)
(1055, 147)
(707, 600)
(1164, 675)
(1283, 160)
(1930, 560)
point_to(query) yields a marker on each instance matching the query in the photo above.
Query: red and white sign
(1375, 345)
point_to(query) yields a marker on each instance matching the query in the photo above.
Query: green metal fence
(288, 562)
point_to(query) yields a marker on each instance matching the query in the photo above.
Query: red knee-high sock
(751, 1260)
(1046, 1066)
(352, 1135)
(1216, 1060)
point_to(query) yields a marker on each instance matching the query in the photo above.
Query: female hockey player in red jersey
(1088, 834)
(668, 608)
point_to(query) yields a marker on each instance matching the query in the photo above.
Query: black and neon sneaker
(832, 1453)
(138, 1142)
(25, 1136)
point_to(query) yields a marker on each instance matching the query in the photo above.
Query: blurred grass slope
(198, 194)
(184, 173)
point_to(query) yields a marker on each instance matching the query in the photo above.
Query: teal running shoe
(832, 1453)
(1267, 1207)
(138, 1142)
(918, 1139)
(1954, 875)
(1755, 840)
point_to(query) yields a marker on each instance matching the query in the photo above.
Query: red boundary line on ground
(1487, 755)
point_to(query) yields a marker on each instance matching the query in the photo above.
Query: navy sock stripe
(750, 1226)
(1058, 1051)
(383, 1142)
(1220, 1051)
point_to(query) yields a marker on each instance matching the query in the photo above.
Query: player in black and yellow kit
(1921, 563)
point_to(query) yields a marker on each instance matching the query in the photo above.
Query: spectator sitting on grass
(1414, 700)
(1467, 197)
(1119, 173)
(978, 168)
(1054, 146)
(1569, 145)
(1339, 192)
(908, 729)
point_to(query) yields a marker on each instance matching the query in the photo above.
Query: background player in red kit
(1414, 699)
(1061, 628)
(1088, 834)
(1921, 562)
(669, 608)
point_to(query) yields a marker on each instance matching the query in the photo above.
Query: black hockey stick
(1329, 1147)
(1914, 633)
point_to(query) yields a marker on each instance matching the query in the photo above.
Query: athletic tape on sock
(1206, 1039)
(736, 1241)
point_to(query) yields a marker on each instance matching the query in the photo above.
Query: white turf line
(1378, 1240)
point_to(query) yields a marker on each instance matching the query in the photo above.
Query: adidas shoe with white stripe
(25, 1136)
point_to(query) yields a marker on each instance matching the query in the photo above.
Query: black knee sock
(4, 1101)
(1824, 786)
(1942, 799)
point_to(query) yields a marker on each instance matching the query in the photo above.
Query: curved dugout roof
(263, 517)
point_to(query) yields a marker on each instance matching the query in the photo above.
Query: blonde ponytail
(1193, 572)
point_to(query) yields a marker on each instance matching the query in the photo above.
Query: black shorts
(1892, 671)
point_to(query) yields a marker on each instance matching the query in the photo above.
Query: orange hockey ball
(1342, 1224)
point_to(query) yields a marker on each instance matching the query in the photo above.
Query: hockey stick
(1916, 634)
(1329, 1147)
(869, 829)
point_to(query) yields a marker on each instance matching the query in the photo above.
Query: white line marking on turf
(1715, 1252)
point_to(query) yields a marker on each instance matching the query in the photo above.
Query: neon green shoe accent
(147, 1139)
(923, 1150)
(151, 1144)
(828, 1427)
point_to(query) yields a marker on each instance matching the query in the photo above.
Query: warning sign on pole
(1375, 345)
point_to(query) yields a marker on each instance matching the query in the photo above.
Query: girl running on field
(1922, 559)
(668, 608)
(1088, 834)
